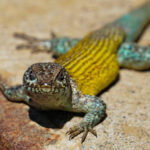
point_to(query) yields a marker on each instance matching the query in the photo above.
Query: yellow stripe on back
(92, 63)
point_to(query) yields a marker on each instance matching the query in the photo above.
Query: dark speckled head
(45, 78)
(48, 85)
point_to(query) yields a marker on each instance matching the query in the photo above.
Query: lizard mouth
(51, 89)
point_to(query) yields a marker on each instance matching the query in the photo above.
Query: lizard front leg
(95, 112)
(15, 93)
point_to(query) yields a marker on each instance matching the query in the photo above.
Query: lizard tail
(134, 22)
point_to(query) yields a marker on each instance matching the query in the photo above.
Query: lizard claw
(76, 130)
(32, 43)
(25, 37)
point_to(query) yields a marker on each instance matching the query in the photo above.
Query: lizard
(83, 69)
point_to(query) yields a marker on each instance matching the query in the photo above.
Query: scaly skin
(93, 75)
(48, 86)
(72, 83)
(130, 55)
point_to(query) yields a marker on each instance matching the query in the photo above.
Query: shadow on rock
(52, 119)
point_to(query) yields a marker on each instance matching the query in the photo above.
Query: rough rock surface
(127, 126)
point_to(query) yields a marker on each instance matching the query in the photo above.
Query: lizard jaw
(50, 89)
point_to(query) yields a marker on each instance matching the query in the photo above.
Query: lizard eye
(60, 76)
(32, 76)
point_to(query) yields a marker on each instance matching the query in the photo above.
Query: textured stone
(127, 125)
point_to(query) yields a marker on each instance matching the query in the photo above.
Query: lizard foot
(77, 129)
(31, 42)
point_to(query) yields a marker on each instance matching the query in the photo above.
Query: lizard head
(46, 78)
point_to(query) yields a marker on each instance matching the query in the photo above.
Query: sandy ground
(127, 125)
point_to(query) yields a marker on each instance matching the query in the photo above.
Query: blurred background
(128, 123)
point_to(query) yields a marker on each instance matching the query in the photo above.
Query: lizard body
(93, 75)
(74, 80)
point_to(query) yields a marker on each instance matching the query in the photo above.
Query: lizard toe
(77, 129)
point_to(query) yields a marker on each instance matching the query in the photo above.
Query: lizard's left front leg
(14, 93)
(95, 112)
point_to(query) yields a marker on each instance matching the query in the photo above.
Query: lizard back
(92, 63)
